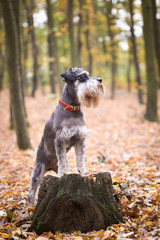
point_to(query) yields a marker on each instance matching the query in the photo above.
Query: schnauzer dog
(66, 127)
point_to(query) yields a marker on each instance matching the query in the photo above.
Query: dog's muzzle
(90, 91)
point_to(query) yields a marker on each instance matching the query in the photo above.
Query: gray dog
(66, 127)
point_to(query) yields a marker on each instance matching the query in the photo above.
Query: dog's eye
(83, 77)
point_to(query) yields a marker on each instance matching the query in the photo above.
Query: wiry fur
(67, 133)
(89, 93)
(66, 129)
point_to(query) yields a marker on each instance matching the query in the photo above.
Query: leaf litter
(121, 142)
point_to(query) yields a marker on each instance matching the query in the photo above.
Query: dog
(66, 127)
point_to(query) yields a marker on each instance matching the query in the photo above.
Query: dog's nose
(99, 79)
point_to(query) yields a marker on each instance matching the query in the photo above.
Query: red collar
(69, 107)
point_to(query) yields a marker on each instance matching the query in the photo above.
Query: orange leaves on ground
(121, 142)
(131, 212)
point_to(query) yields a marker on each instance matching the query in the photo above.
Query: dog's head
(88, 89)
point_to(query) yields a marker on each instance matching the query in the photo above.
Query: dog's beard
(89, 93)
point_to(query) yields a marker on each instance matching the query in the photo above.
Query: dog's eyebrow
(87, 73)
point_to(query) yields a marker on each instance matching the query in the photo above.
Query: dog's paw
(83, 171)
(62, 173)
(68, 166)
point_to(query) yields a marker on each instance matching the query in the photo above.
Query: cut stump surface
(76, 203)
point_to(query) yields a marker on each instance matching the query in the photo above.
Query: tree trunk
(136, 62)
(129, 74)
(16, 14)
(75, 203)
(104, 48)
(2, 61)
(94, 3)
(29, 5)
(151, 108)
(14, 78)
(90, 59)
(56, 48)
(79, 35)
(88, 41)
(156, 37)
(11, 126)
(71, 32)
(112, 45)
(2, 58)
(25, 58)
(50, 46)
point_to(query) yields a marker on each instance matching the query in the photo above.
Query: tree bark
(2, 58)
(71, 32)
(79, 44)
(156, 37)
(88, 45)
(112, 46)
(129, 74)
(54, 39)
(14, 77)
(151, 108)
(16, 14)
(29, 5)
(25, 58)
(135, 55)
(104, 48)
(75, 203)
(94, 3)
(11, 126)
(50, 46)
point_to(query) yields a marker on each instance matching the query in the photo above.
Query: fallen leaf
(4, 235)
(3, 213)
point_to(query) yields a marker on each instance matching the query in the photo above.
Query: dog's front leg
(60, 148)
(80, 156)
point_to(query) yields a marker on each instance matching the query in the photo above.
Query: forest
(116, 40)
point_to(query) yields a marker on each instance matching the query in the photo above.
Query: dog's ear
(67, 76)
(62, 75)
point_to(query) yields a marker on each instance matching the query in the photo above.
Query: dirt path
(120, 142)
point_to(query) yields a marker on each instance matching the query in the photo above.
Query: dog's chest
(73, 134)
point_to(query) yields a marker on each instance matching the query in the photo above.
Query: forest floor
(121, 142)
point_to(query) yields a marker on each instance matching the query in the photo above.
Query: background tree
(14, 74)
(51, 39)
(71, 31)
(97, 33)
(16, 9)
(25, 60)
(112, 45)
(151, 108)
(129, 73)
(55, 35)
(29, 5)
(2, 55)
(156, 28)
(79, 33)
(136, 62)
(88, 38)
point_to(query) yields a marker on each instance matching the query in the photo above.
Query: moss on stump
(73, 203)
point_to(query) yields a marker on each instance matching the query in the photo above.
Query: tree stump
(73, 203)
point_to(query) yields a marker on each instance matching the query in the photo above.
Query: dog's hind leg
(38, 172)
(37, 175)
